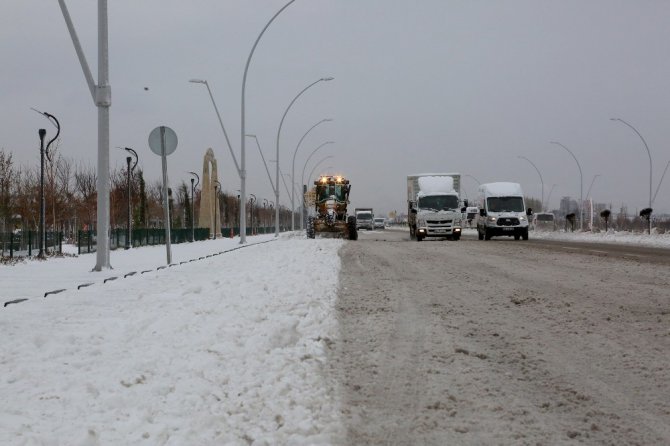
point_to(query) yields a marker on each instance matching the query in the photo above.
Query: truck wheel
(487, 235)
(351, 226)
(517, 236)
(310, 227)
(418, 238)
(525, 235)
(480, 235)
(457, 237)
(352, 230)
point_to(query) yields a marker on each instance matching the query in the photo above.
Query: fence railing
(27, 243)
(86, 240)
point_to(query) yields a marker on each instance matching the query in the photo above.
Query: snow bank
(229, 349)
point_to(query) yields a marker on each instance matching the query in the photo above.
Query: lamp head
(197, 81)
(330, 78)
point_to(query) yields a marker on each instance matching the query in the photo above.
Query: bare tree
(85, 179)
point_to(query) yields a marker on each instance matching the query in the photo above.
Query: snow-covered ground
(228, 349)
(227, 346)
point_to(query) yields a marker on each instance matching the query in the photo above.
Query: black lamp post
(193, 186)
(217, 188)
(129, 241)
(44, 151)
(42, 133)
(252, 200)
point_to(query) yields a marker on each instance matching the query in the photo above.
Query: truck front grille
(438, 222)
(508, 221)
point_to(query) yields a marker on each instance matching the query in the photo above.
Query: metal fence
(86, 240)
(27, 243)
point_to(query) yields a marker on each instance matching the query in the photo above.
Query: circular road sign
(170, 140)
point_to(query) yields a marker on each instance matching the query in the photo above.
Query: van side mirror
(463, 209)
(529, 211)
(482, 212)
(465, 203)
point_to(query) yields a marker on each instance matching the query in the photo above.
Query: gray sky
(420, 86)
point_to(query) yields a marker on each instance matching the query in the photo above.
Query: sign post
(163, 142)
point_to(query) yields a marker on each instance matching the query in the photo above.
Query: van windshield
(505, 204)
(439, 202)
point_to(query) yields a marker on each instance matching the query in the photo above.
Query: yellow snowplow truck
(331, 197)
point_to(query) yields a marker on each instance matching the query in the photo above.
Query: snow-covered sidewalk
(229, 349)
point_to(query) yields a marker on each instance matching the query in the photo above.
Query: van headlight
(492, 218)
(522, 218)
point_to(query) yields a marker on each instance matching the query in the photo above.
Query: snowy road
(500, 343)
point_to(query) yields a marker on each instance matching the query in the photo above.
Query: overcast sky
(420, 86)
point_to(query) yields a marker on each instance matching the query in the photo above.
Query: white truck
(502, 211)
(433, 206)
(364, 218)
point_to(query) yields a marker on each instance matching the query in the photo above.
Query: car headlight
(522, 218)
(492, 219)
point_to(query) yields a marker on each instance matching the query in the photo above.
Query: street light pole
(295, 152)
(193, 186)
(581, 185)
(129, 241)
(44, 152)
(650, 165)
(541, 181)
(323, 79)
(102, 97)
(243, 221)
(42, 133)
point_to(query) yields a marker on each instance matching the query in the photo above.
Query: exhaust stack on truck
(433, 206)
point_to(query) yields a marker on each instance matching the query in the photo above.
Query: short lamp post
(129, 170)
(217, 188)
(193, 186)
(252, 201)
(44, 152)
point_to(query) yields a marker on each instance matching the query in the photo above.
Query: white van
(502, 211)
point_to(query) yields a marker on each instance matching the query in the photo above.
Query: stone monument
(210, 212)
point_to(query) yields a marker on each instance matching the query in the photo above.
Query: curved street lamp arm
(137, 158)
(541, 180)
(309, 177)
(281, 123)
(197, 179)
(52, 119)
(302, 176)
(648, 153)
(295, 152)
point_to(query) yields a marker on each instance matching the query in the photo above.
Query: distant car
(544, 221)
(380, 223)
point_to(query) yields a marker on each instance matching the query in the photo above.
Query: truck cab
(502, 211)
(364, 219)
